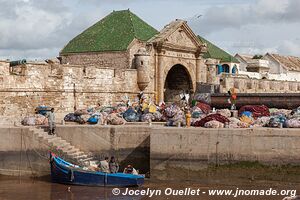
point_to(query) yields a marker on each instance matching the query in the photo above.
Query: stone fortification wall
(117, 60)
(64, 87)
(248, 85)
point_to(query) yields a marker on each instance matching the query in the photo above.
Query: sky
(39, 29)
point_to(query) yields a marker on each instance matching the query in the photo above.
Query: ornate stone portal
(177, 53)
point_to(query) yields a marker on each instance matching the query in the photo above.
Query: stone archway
(178, 80)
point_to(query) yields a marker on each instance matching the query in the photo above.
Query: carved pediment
(180, 38)
(177, 35)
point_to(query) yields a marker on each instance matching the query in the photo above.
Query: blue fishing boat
(67, 173)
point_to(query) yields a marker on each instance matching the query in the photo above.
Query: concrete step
(38, 130)
(63, 145)
(77, 153)
(66, 149)
(60, 142)
(85, 159)
(66, 145)
(44, 136)
(53, 139)
(83, 156)
(38, 133)
(72, 151)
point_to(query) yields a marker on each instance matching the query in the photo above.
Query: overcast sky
(38, 29)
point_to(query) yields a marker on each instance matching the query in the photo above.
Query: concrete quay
(199, 153)
(168, 153)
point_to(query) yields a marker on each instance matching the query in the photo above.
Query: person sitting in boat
(130, 170)
(104, 165)
(113, 165)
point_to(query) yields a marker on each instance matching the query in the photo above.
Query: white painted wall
(242, 65)
(275, 67)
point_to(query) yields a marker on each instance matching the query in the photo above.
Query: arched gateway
(178, 81)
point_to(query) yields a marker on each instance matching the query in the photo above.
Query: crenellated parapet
(245, 84)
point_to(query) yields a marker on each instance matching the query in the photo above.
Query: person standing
(51, 121)
(233, 96)
(188, 117)
(113, 165)
(104, 165)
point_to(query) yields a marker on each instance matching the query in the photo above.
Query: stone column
(160, 80)
(212, 71)
(198, 70)
(201, 70)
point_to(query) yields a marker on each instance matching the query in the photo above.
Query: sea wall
(168, 153)
(129, 144)
(189, 154)
(21, 154)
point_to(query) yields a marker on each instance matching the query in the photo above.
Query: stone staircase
(69, 150)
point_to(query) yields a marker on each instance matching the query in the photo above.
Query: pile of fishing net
(294, 119)
(293, 123)
(224, 112)
(234, 122)
(174, 115)
(131, 115)
(214, 124)
(212, 117)
(204, 107)
(261, 122)
(295, 113)
(256, 110)
(115, 119)
(203, 97)
(155, 117)
(277, 121)
(71, 117)
(36, 119)
(197, 114)
(275, 111)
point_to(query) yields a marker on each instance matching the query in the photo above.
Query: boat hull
(66, 173)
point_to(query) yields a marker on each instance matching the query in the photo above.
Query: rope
(44, 157)
(28, 157)
(20, 157)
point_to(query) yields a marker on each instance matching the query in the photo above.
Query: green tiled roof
(113, 33)
(215, 52)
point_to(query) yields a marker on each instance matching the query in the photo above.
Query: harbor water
(14, 188)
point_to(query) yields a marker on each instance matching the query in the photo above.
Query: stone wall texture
(64, 87)
(187, 154)
(106, 78)
(116, 60)
(248, 85)
(22, 154)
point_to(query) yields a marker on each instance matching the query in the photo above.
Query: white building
(270, 66)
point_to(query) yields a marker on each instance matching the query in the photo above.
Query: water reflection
(28, 189)
(59, 191)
